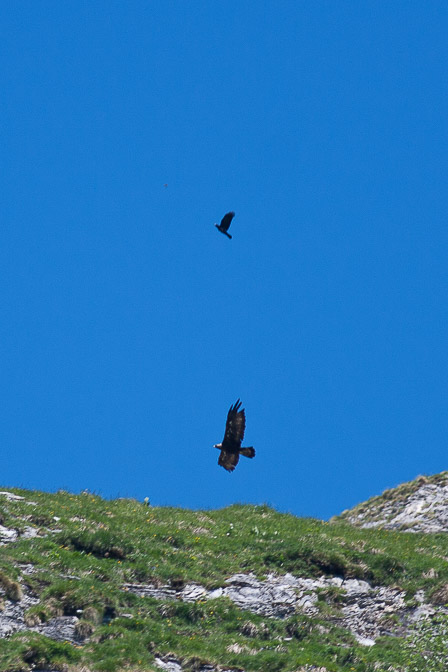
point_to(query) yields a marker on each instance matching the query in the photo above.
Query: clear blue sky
(129, 324)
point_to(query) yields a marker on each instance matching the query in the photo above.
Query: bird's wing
(235, 425)
(228, 460)
(227, 220)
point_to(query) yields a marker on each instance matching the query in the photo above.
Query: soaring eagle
(225, 223)
(231, 444)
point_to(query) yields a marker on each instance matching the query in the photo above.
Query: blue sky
(129, 324)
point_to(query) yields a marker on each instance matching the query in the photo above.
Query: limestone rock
(417, 506)
(365, 609)
(10, 496)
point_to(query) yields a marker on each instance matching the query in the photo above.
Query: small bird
(225, 223)
(231, 444)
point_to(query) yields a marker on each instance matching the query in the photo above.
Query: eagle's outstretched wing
(235, 426)
(228, 460)
(227, 220)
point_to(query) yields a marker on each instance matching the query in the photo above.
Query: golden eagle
(225, 223)
(231, 444)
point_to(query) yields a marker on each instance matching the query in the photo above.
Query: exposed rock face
(169, 664)
(172, 664)
(61, 628)
(12, 619)
(417, 506)
(7, 534)
(10, 496)
(364, 610)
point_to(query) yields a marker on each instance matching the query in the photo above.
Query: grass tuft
(13, 589)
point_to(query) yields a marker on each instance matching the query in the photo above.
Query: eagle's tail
(228, 235)
(247, 452)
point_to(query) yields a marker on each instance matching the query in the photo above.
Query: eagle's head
(218, 446)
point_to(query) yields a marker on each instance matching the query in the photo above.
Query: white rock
(214, 594)
(365, 641)
(7, 535)
(170, 665)
(10, 496)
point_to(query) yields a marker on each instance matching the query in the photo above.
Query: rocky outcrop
(173, 664)
(365, 610)
(8, 535)
(12, 619)
(417, 506)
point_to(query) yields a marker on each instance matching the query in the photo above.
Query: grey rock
(365, 641)
(7, 535)
(12, 617)
(148, 590)
(364, 609)
(169, 664)
(172, 664)
(355, 587)
(10, 496)
(192, 592)
(419, 596)
(423, 611)
(423, 510)
(27, 569)
(61, 628)
(29, 533)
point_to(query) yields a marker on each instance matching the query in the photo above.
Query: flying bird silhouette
(225, 223)
(231, 444)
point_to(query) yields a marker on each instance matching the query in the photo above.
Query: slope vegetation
(91, 584)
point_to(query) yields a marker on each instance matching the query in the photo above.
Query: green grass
(105, 544)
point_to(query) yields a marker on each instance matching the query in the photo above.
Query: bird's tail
(228, 235)
(247, 452)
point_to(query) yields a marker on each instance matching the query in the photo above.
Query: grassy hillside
(87, 548)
